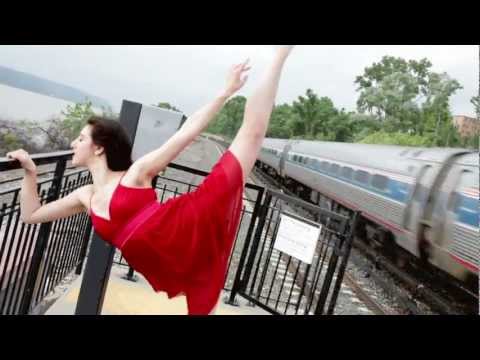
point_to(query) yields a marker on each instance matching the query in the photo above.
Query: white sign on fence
(297, 238)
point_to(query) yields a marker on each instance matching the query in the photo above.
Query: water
(17, 104)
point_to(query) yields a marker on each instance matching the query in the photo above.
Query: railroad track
(367, 299)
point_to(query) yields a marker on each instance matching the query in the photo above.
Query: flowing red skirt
(183, 245)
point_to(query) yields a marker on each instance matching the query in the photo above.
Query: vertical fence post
(347, 244)
(337, 251)
(83, 251)
(41, 242)
(130, 276)
(100, 259)
(241, 282)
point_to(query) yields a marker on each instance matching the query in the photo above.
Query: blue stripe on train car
(398, 190)
(395, 190)
(467, 210)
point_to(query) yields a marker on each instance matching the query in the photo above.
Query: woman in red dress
(181, 246)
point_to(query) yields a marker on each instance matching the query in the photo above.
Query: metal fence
(35, 258)
(284, 284)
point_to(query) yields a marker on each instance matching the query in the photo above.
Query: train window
(314, 163)
(294, 157)
(334, 169)
(361, 176)
(417, 153)
(324, 165)
(379, 182)
(346, 172)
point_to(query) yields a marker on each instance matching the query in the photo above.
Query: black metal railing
(284, 284)
(35, 258)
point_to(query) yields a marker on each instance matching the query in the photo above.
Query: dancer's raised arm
(152, 163)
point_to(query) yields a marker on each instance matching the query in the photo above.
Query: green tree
(340, 127)
(395, 138)
(363, 125)
(75, 118)
(281, 122)
(10, 142)
(405, 95)
(436, 111)
(313, 114)
(230, 118)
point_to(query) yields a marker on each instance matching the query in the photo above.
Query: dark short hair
(109, 134)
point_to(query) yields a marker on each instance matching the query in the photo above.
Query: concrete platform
(125, 297)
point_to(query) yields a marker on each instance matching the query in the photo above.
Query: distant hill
(46, 87)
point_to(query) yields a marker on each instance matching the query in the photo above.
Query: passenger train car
(424, 199)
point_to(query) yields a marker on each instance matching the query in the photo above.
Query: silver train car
(423, 199)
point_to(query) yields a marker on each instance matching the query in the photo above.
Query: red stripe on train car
(464, 263)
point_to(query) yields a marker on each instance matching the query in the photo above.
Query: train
(420, 202)
(423, 200)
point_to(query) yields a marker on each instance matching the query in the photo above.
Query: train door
(461, 220)
(431, 221)
(447, 215)
(414, 209)
(283, 158)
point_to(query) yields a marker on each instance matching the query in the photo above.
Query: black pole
(100, 259)
(240, 281)
(83, 251)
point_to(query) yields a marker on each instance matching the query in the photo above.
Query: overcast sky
(189, 76)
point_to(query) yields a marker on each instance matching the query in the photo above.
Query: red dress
(181, 246)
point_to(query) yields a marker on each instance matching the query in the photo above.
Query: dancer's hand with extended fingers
(236, 78)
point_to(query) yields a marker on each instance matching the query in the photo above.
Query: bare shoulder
(84, 194)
